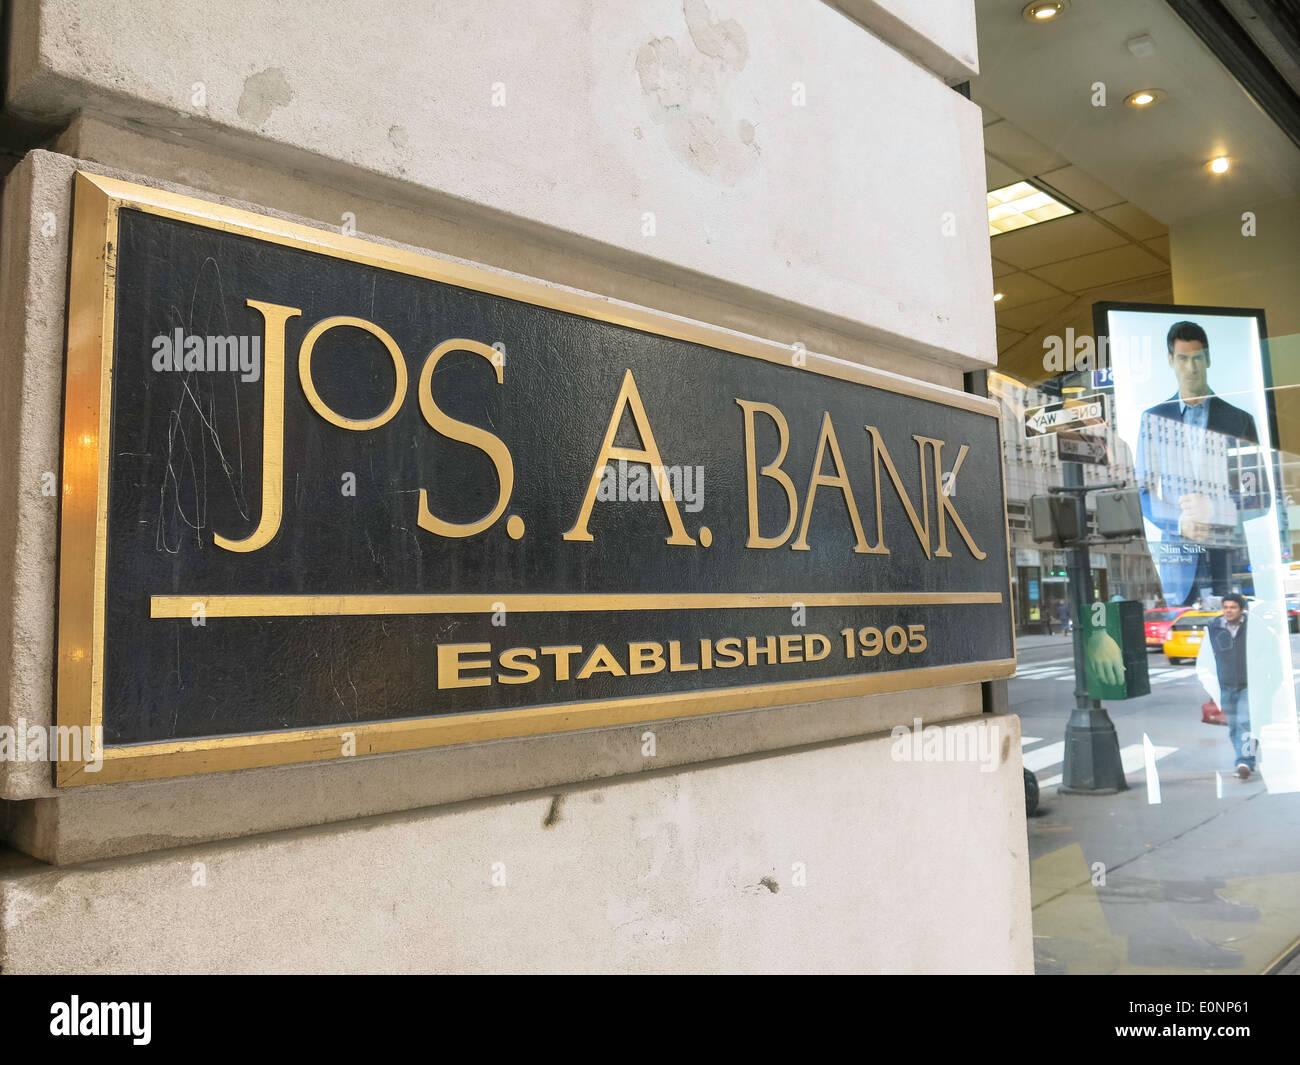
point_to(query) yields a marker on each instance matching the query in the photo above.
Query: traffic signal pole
(1092, 760)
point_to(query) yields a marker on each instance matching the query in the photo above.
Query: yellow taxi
(1185, 635)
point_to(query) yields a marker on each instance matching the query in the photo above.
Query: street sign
(1069, 414)
(326, 497)
(1072, 446)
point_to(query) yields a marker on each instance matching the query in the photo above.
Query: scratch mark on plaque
(180, 680)
(185, 472)
(335, 686)
(355, 695)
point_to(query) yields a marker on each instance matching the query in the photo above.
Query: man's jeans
(1236, 709)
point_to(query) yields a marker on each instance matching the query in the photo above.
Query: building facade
(801, 173)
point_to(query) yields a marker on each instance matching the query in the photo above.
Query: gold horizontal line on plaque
(287, 606)
(217, 753)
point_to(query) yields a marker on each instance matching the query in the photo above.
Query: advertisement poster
(1194, 422)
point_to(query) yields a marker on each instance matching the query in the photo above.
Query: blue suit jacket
(1224, 417)
(1236, 484)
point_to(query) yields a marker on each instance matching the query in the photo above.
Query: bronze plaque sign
(325, 497)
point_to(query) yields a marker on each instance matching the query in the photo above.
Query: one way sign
(1072, 446)
(1070, 414)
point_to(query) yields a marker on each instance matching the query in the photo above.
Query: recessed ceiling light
(997, 296)
(1022, 204)
(1219, 164)
(1045, 10)
(1144, 97)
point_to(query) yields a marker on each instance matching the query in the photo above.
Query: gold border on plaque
(84, 517)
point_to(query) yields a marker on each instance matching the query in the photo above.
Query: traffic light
(1119, 513)
(1060, 519)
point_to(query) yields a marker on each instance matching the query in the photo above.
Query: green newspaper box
(1115, 637)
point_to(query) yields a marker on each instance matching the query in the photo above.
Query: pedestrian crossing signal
(1060, 519)
(1119, 514)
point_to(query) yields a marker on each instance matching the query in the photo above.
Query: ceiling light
(1022, 204)
(1144, 97)
(1044, 10)
(997, 296)
(1219, 164)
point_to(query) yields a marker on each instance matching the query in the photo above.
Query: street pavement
(1207, 880)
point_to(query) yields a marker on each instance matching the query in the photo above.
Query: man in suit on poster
(1199, 473)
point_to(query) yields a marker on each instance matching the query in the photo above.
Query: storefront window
(1149, 352)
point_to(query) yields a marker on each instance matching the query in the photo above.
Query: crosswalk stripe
(1161, 676)
(1132, 758)
(1168, 675)
(1044, 756)
(1025, 741)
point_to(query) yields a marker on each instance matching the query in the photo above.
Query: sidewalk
(1138, 890)
(1055, 640)
(1199, 875)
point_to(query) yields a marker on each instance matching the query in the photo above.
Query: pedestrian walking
(1227, 637)
(1063, 616)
